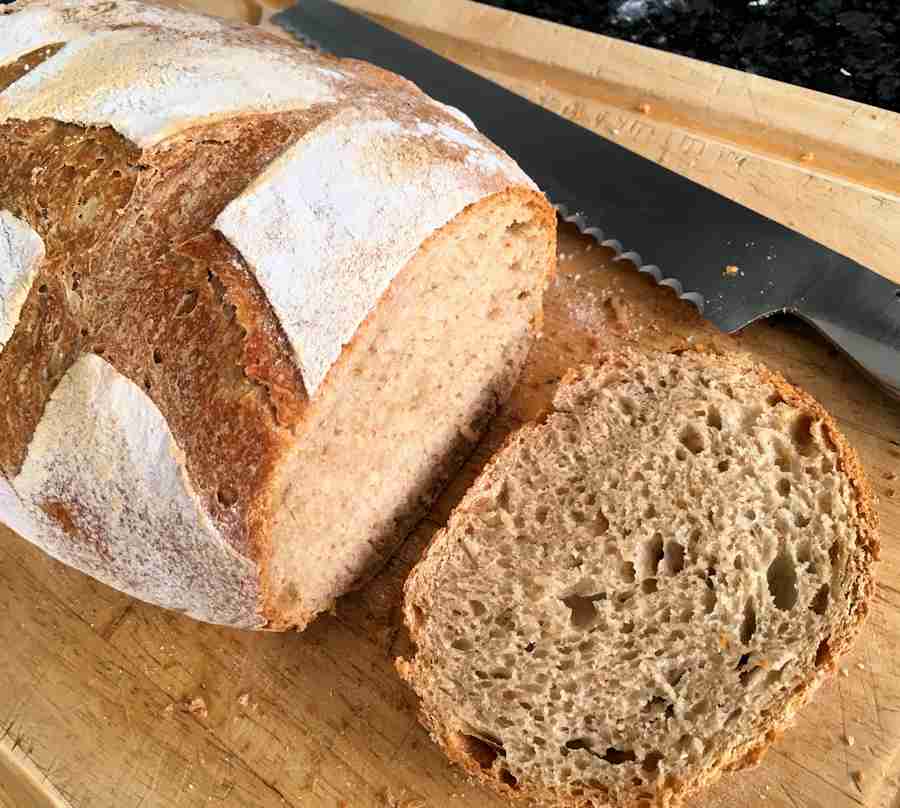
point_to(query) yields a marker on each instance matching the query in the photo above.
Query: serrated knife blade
(670, 227)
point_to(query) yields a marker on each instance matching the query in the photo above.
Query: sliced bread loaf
(641, 590)
(256, 305)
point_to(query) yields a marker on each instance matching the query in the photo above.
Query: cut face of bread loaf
(276, 296)
(642, 590)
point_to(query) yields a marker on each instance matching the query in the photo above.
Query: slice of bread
(641, 590)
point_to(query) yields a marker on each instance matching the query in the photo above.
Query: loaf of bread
(642, 590)
(256, 304)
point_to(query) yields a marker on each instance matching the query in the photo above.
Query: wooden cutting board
(95, 707)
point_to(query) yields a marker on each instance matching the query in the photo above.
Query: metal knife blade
(687, 234)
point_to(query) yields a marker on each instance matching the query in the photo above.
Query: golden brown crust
(749, 754)
(134, 272)
(67, 183)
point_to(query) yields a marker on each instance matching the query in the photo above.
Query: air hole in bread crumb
(723, 466)
(656, 705)
(157, 356)
(675, 675)
(700, 708)
(651, 554)
(461, 644)
(479, 750)
(784, 486)
(651, 762)
(227, 496)
(802, 519)
(735, 715)
(680, 454)
(691, 439)
(187, 303)
(819, 603)
(801, 434)
(782, 578)
(674, 557)
(477, 607)
(742, 662)
(650, 511)
(584, 613)
(823, 653)
(750, 678)
(42, 289)
(709, 600)
(503, 497)
(627, 572)
(782, 457)
(748, 624)
(507, 778)
(618, 756)
(541, 514)
(419, 618)
(773, 677)
(714, 418)
(649, 586)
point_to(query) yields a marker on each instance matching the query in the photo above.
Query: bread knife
(681, 233)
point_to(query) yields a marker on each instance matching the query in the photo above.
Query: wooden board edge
(853, 138)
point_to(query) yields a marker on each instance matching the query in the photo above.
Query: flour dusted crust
(202, 194)
(150, 72)
(343, 255)
(104, 484)
(21, 253)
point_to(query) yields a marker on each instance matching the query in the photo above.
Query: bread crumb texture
(641, 590)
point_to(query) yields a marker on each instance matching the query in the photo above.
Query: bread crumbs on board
(197, 706)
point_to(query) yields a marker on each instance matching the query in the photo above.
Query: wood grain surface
(110, 703)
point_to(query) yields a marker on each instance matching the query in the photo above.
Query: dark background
(849, 48)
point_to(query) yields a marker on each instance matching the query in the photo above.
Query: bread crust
(125, 197)
(422, 582)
